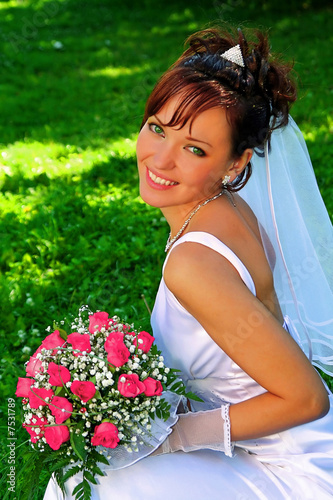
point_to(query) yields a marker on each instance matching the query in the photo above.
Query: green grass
(74, 79)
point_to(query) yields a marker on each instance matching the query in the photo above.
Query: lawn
(74, 79)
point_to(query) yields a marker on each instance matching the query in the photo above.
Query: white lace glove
(203, 429)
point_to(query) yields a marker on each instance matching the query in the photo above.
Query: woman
(217, 315)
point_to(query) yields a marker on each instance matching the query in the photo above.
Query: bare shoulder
(192, 265)
(211, 290)
(248, 214)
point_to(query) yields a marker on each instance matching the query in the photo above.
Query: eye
(155, 128)
(196, 151)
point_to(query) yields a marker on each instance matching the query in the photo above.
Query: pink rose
(106, 434)
(53, 340)
(55, 435)
(37, 397)
(34, 364)
(85, 390)
(59, 375)
(152, 387)
(98, 320)
(130, 386)
(79, 341)
(112, 339)
(61, 409)
(118, 354)
(23, 387)
(35, 424)
(143, 340)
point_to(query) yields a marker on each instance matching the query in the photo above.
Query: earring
(225, 180)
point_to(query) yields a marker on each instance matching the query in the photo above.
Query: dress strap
(215, 244)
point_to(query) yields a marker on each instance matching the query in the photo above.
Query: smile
(159, 180)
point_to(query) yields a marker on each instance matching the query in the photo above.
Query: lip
(154, 185)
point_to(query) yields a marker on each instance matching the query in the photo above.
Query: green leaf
(78, 491)
(88, 475)
(63, 334)
(101, 458)
(97, 395)
(78, 444)
(194, 397)
(82, 491)
(178, 387)
(77, 488)
(60, 391)
(59, 476)
(71, 472)
(60, 464)
(97, 470)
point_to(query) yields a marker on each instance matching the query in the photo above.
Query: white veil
(298, 238)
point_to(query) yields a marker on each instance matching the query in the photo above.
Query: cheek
(142, 144)
(139, 146)
(205, 176)
(207, 181)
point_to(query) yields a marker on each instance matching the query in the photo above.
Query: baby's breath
(130, 413)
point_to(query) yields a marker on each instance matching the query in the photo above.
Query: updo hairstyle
(257, 98)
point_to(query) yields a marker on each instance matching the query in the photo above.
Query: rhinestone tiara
(234, 55)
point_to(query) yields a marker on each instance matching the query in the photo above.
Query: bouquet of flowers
(100, 395)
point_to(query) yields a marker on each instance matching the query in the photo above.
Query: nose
(164, 156)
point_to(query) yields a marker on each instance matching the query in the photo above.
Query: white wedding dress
(296, 464)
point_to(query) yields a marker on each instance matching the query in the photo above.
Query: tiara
(234, 55)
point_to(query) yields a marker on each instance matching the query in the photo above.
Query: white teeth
(159, 180)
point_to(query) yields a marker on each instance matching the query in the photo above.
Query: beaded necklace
(170, 241)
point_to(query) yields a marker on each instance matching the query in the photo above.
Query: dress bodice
(296, 463)
(206, 369)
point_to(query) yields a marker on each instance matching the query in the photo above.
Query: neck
(173, 238)
(176, 216)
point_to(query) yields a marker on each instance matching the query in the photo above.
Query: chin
(152, 199)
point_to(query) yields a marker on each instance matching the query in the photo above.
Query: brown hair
(257, 98)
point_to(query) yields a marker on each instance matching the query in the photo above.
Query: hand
(198, 430)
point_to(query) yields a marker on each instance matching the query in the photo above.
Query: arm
(210, 288)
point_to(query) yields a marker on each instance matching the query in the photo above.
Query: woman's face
(183, 167)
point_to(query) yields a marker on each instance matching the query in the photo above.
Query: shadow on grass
(59, 48)
(120, 172)
(83, 238)
(78, 72)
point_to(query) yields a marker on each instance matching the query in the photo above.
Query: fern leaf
(98, 457)
(82, 491)
(89, 476)
(77, 488)
(87, 490)
(59, 464)
(71, 472)
(97, 470)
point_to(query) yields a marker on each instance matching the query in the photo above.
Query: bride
(244, 307)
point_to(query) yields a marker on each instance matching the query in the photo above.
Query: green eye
(156, 128)
(196, 151)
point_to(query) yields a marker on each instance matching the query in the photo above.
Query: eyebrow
(189, 138)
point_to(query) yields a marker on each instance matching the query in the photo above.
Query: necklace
(170, 241)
